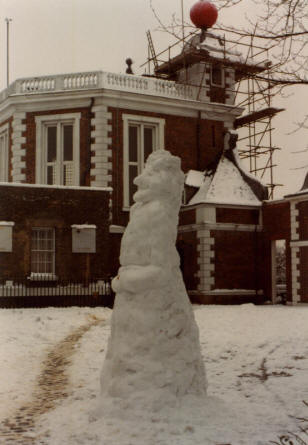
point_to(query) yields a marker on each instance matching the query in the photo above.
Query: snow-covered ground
(256, 359)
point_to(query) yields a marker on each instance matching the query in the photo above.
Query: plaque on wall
(6, 235)
(83, 238)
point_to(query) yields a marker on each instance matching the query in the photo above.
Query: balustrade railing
(100, 80)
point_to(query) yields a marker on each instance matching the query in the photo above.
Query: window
(142, 135)
(57, 149)
(43, 251)
(4, 154)
(217, 76)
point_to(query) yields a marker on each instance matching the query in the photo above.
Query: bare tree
(281, 25)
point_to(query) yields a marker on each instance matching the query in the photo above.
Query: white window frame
(222, 77)
(4, 153)
(159, 143)
(45, 274)
(59, 120)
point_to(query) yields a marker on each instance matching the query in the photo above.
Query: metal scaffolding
(254, 91)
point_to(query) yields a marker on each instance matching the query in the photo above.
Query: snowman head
(162, 178)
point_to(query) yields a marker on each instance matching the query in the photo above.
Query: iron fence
(46, 290)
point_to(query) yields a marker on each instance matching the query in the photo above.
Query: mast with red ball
(203, 14)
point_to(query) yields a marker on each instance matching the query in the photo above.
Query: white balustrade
(38, 84)
(80, 81)
(97, 80)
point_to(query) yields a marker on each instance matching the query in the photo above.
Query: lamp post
(7, 50)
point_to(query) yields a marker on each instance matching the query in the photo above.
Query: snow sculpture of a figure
(153, 358)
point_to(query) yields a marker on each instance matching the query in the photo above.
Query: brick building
(71, 145)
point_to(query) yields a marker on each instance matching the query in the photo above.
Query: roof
(227, 183)
(256, 115)
(225, 186)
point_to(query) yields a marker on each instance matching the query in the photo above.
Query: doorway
(279, 287)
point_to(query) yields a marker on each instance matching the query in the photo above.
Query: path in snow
(52, 386)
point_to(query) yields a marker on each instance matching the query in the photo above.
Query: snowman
(153, 358)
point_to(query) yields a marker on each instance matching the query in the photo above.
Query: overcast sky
(62, 36)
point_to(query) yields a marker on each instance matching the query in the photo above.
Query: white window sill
(42, 277)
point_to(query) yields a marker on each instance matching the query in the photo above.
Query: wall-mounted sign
(6, 235)
(83, 238)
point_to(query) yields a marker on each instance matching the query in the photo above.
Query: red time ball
(203, 14)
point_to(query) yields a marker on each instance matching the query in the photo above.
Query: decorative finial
(129, 63)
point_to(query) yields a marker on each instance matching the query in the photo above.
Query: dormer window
(217, 76)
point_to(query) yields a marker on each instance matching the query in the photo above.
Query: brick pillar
(295, 272)
(206, 256)
(101, 165)
(206, 253)
(229, 84)
(18, 148)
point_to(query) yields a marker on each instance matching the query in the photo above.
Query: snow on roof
(194, 178)
(226, 187)
(219, 48)
(7, 223)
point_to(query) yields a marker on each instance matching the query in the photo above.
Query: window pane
(68, 174)
(217, 75)
(51, 175)
(51, 144)
(42, 250)
(34, 243)
(133, 143)
(68, 143)
(148, 141)
(133, 172)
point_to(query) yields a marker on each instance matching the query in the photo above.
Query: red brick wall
(85, 135)
(187, 247)
(303, 274)
(237, 216)
(59, 209)
(303, 220)
(187, 217)
(180, 139)
(237, 260)
(114, 257)
(303, 234)
(276, 220)
(9, 121)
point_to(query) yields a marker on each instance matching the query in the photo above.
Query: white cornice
(300, 197)
(54, 102)
(166, 105)
(122, 99)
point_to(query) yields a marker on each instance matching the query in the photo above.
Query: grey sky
(58, 36)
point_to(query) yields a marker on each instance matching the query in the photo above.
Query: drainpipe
(88, 160)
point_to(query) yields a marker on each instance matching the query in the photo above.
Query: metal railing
(45, 290)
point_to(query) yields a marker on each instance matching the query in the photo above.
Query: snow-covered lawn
(257, 367)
